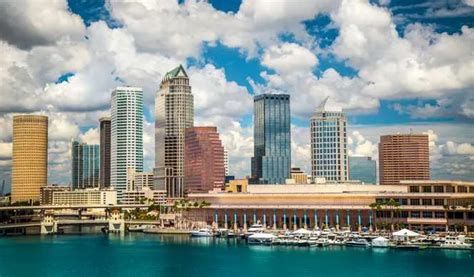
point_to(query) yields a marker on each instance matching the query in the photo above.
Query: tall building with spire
(174, 112)
(126, 135)
(272, 139)
(329, 158)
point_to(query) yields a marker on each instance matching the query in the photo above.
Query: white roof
(302, 231)
(405, 233)
(380, 239)
(262, 236)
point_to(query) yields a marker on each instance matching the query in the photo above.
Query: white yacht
(261, 238)
(380, 242)
(201, 233)
(459, 242)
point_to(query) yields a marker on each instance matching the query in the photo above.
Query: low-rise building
(237, 185)
(298, 176)
(46, 193)
(143, 196)
(420, 205)
(85, 197)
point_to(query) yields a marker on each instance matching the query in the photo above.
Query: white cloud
(289, 58)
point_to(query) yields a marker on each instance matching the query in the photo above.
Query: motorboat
(261, 238)
(322, 242)
(254, 228)
(201, 233)
(380, 242)
(357, 243)
(459, 242)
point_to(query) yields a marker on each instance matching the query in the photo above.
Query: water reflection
(458, 254)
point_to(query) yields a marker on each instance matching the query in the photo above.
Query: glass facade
(272, 139)
(85, 165)
(363, 169)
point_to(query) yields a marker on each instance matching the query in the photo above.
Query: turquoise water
(155, 255)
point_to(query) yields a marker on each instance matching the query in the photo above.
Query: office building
(85, 165)
(46, 193)
(403, 157)
(126, 135)
(204, 168)
(30, 157)
(105, 141)
(226, 162)
(363, 169)
(85, 197)
(272, 139)
(139, 180)
(329, 158)
(174, 112)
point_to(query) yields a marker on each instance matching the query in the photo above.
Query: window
(438, 189)
(426, 202)
(439, 214)
(439, 202)
(414, 202)
(414, 189)
(426, 188)
(462, 189)
(427, 214)
(415, 214)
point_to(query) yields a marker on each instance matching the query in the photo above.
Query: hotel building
(105, 141)
(126, 135)
(139, 180)
(145, 195)
(85, 165)
(403, 157)
(272, 139)
(363, 169)
(174, 112)
(30, 157)
(423, 205)
(85, 197)
(329, 157)
(46, 193)
(204, 168)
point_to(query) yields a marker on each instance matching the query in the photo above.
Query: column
(216, 219)
(245, 221)
(235, 220)
(294, 220)
(359, 221)
(337, 220)
(274, 220)
(264, 220)
(316, 223)
(348, 220)
(326, 219)
(254, 217)
(370, 221)
(225, 220)
(305, 216)
(284, 220)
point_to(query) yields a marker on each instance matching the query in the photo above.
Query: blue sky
(394, 66)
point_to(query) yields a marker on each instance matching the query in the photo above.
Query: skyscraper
(174, 112)
(126, 135)
(272, 139)
(30, 157)
(85, 165)
(329, 144)
(204, 168)
(226, 162)
(105, 134)
(363, 169)
(403, 157)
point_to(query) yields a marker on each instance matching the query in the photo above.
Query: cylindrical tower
(30, 157)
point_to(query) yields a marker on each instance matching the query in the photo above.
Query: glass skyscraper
(126, 135)
(363, 169)
(329, 144)
(85, 165)
(272, 139)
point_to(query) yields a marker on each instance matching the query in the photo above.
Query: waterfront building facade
(126, 135)
(105, 142)
(144, 196)
(29, 157)
(85, 197)
(403, 157)
(174, 112)
(363, 169)
(46, 193)
(329, 158)
(204, 168)
(423, 205)
(85, 165)
(272, 139)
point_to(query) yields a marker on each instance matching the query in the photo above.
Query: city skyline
(225, 73)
